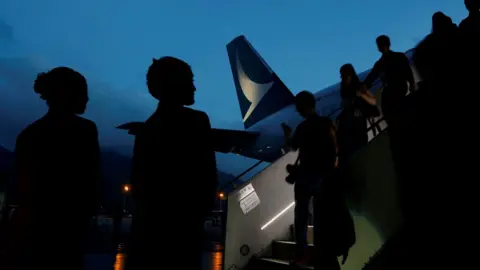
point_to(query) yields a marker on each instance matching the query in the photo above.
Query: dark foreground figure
(57, 166)
(439, 196)
(174, 173)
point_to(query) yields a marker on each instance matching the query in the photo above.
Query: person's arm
(409, 73)
(333, 137)
(366, 95)
(292, 139)
(373, 75)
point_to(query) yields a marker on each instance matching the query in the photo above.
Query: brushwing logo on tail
(253, 91)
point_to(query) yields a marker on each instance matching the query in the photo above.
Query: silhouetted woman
(57, 165)
(358, 104)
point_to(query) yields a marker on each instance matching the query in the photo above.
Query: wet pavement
(103, 255)
(212, 261)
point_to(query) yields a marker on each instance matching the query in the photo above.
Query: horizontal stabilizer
(225, 140)
(233, 141)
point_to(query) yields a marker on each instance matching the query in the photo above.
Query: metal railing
(374, 126)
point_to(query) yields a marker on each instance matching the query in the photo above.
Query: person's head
(305, 103)
(348, 75)
(383, 43)
(64, 89)
(170, 80)
(441, 23)
(472, 5)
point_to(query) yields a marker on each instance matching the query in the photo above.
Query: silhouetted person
(462, 139)
(470, 26)
(436, 61)
(434, 57)
(315, 139)
(359, 104)
(469, 53)
(57, 166)
(173, 163)
(397, 77)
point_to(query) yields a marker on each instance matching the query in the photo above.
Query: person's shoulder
(318, 120)
(464, 23)
(324, 118)
(302, 125)
(29, 132)
(325, 121)
(86, 124)
(196, 114)
(400, 54)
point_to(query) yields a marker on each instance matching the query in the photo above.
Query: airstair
(259, 230)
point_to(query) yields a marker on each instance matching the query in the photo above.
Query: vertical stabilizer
(259, 90)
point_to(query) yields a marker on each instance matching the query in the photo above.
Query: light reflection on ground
(102, 254)
(217, 258)
(120, 258)
(212, 259)
(119, 261)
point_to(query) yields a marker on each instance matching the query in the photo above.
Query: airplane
(265, 103)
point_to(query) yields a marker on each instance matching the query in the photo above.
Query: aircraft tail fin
(259, 90)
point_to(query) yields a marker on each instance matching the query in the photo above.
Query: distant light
(221, 195)
(277, 216)
(126, 188)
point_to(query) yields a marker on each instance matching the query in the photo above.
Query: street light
(126, 190)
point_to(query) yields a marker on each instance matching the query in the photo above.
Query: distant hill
(115, 171)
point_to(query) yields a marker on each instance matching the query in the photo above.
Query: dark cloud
(108, 107)
(19, 105)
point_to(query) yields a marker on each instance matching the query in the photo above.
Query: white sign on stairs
(248, 198)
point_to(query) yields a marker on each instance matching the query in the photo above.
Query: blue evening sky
(112, 42)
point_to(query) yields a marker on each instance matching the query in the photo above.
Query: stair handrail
(373, 125)
(232, 182)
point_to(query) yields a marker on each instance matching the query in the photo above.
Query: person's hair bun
(41, 85)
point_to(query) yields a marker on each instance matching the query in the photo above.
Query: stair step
(275, 264)
(285, 250)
